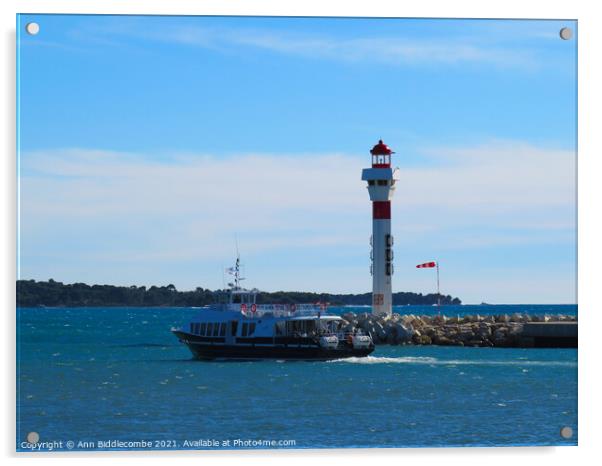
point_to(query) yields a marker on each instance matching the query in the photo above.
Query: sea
(117, 379)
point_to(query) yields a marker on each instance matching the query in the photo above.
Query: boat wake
(449, 362)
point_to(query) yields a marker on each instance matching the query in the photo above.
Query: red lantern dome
(381, 149)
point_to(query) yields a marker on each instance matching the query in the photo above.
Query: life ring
(243, 308)
(253, 308)
(293, 307)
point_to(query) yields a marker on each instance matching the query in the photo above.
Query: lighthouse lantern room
(381, 180)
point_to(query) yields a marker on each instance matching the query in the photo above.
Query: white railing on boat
(277, 310)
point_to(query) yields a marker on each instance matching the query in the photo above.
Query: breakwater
(516, 330)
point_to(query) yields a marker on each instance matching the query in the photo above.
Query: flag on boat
(426, 265)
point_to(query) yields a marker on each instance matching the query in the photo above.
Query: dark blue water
(102, 374)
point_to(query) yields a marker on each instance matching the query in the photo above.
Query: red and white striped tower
(381, 186)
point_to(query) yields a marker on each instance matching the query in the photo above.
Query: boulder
(407, 319)
(465, 335)
(443, 341)
(484, 332)
(380, 330)
(404, 332)
(417, 339)
(418, 322)
(475, 342)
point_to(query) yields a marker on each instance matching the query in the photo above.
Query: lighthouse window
(370, 182)
(382, 182)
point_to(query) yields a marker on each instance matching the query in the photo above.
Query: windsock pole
(438, 292)
(430, 265)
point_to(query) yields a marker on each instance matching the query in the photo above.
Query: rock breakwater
(474, 330)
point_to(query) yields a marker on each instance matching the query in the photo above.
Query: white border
(590, 77)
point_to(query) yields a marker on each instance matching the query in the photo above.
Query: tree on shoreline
(31, 293)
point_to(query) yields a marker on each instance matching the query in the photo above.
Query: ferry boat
(239, 328)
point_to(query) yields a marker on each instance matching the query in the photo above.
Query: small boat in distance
(239, 328)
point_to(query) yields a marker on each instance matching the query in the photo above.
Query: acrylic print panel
(397, 194)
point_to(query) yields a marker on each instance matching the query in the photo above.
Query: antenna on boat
(236, 269)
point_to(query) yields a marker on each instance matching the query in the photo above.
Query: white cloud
(398, 49)
(120, 215)
(392, 50)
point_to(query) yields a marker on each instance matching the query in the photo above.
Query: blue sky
(147, 143)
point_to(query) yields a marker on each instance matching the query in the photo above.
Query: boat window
(196, 329)
(222, 330)
(191, 327)
(370, 182)
(252, 328)
(233, 327)
(280, 328)
(215, 329)
(209, 329)
(382, 182)
(245, 327)
(203, 328)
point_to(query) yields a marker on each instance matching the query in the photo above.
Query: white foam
(450, 362)
(387, 360)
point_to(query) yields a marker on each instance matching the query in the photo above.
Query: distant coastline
(31, 293)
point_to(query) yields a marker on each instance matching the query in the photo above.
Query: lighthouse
(381, 180)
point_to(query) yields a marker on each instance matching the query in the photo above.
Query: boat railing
(277, 310)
